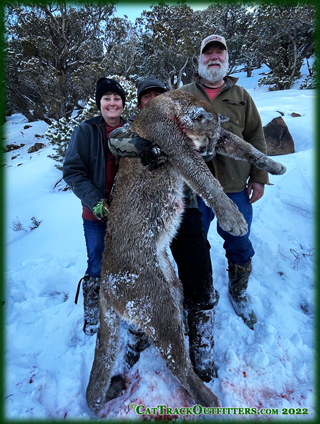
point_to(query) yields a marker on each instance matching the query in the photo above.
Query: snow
(48, 358)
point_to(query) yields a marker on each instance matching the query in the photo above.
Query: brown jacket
(236, 103)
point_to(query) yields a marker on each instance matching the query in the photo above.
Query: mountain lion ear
(222, 118)
(200, 114)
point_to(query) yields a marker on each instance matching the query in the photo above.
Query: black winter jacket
(84, 168)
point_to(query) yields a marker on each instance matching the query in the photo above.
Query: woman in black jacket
(90, 169)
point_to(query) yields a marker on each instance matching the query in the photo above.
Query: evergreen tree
(310, 82)
(55, 53)
(280, 37)
(169, 39)
(52, 53)
(233, 21)
(120, 49)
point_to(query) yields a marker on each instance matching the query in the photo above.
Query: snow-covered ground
(47, 356)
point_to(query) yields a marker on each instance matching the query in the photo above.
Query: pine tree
(60, 131)
(280, 34)
(169, 39)
(310, 82)
(52, 56)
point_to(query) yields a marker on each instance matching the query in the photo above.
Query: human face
(213, 63)
(111, 107)
(148, 95)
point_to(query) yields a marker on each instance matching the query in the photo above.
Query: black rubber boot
(137, 342)
(237, 291)
(116, 386)
(201, 343)
(90, 289)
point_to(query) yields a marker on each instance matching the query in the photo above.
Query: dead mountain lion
(138, 282)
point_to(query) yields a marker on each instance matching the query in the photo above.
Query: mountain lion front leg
(197, 175)
(235, 147)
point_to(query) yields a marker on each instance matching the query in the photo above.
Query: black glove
(153, 157)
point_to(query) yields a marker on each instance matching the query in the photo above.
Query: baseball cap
(147, 83)
(213, 39)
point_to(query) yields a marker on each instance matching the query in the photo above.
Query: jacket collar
(98, 120)
(228, 79)
(233, 80)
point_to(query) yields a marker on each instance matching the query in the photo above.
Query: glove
(153, 157)
(121, 132)
(131, 146)
(101, 210)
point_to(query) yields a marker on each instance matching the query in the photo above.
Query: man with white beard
(242, 182)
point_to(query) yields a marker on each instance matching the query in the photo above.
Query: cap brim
(152, 86)
(214, 42)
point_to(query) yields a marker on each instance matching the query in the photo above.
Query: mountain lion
(138, 281)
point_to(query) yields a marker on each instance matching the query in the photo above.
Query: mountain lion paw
(232, 221)
(279, 169)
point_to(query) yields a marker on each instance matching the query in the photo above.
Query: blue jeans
(238, 249)
(94, 232)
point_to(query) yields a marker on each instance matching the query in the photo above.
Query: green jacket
(235, 103)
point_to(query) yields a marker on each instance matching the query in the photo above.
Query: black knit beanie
(107, 84)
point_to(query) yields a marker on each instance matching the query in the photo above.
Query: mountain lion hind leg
(154, 309)
(105, 355)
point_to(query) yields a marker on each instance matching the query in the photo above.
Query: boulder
(278, 138)
(36, 147)
(10, 147)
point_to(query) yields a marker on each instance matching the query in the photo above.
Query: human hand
(256, 191)
(153, 157)
(101, 210)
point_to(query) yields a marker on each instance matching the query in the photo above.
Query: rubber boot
(137, 342)
(237, 288)
(117, 385)
(201, 343)
(90, 289)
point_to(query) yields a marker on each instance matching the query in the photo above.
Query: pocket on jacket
(236, 114)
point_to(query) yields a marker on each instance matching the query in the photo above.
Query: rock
(278, 138)
(36, 147)
(295, 115)
(10, 147)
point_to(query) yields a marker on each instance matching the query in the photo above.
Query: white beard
(212, 74)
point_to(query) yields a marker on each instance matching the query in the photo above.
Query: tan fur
(138, 282)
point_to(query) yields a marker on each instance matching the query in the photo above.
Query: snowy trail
(48, 357)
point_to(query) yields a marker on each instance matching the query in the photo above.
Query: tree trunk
(249, 69)
(294, 66)
(309, 67)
